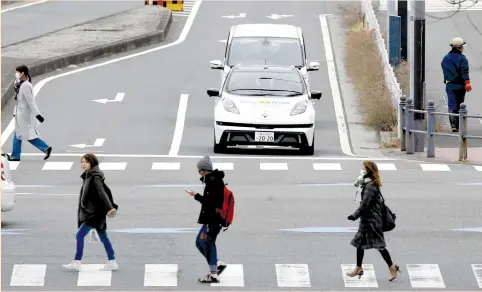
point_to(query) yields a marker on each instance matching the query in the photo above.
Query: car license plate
(264, 137)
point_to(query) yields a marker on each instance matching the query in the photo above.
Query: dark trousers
(455, 97)
(206, 244)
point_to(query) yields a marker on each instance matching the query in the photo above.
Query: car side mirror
(315, 94)
(213, 92)
(216, 64)
(313, 66)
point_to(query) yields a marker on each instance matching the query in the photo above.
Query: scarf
(17, 83)
(362, 183)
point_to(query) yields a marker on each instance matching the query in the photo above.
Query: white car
(265, 44)
(264, 105)
(8, 187)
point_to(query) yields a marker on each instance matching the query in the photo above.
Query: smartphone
(187, 191)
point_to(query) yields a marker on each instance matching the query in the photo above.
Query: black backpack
(109, 194)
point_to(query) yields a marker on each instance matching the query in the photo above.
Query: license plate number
(264, 137)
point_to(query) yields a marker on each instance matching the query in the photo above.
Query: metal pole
(409, 126)
(401, 127)
(402, 12)
(391, 10)
(463, 133)
(419, 69)
(430, 129)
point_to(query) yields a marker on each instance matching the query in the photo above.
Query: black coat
(93, 200)
(212, 198)
(370, 234)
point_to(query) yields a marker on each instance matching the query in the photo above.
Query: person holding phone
(211, 199)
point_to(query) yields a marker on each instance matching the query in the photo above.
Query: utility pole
(417, 67)
(402, 13)
(393, 33)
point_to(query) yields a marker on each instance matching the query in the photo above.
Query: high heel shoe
(357, 272)
(394, 269)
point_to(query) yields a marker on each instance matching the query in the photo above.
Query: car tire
(309, 150)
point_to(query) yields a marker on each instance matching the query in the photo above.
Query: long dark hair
(24, 69)
(91, 159)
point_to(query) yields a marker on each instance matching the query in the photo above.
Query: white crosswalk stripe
(287, 276)
(188, 4)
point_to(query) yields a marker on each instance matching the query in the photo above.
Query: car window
(265, 50)
(265, 83)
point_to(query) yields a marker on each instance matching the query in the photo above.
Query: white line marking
(91, 275)
(23, 6)
(233, 276)
(223, 166)
(57, 165)
(425, 276)
(182, 37)
(293, 275)
(71, 154)
(13, 164)
(368, 280)
(166, 166)
(326, 166)
(113, 165)
(435, 167)
(28, 275)
(478, 273)
(160, 275)
(386, 166)
(335, 90)
(273, 166)
(478, 167)
(181, 118)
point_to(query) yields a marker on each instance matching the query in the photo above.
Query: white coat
(25, 113)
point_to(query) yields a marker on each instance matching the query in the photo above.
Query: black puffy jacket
(212, 197)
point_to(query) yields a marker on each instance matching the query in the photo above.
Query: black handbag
(388, 217)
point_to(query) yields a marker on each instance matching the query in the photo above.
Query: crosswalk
(227, 165)
(287, 276)
(188, 5)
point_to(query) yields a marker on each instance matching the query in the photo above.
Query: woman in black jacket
(93, 207)
(370, 230)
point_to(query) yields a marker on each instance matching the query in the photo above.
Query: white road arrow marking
(223, 41)
(278, 16)
(98, 143)
(118, 97)
(241, 15)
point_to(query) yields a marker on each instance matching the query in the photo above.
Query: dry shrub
(365, 68)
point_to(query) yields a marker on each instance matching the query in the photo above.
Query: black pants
(384, 252)
(455, 96)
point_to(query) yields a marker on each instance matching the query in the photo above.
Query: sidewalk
(100, 38)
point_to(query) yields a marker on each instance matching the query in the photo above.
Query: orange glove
(468, 86)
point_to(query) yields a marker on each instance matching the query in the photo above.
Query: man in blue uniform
(455, 68)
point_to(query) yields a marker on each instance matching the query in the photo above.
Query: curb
(97, 52)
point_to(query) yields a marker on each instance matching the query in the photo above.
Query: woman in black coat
(370, 233)
(93, 209)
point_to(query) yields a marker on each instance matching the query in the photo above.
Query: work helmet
(457, 42)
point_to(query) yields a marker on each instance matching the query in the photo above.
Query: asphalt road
(33, 21)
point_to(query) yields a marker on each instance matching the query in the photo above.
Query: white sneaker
(110, 266)
(73, 266)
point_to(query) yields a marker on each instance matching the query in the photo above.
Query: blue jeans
(17, 146)
(82, 232)
(206, 244)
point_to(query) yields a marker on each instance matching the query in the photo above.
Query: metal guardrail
(406, 128)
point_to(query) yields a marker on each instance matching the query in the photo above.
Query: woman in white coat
(27, 116)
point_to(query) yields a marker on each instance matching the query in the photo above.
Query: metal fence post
(430, 129)
(463, 132)
(401, 127)
(409, 121)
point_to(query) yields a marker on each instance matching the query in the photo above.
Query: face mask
(363, 172)
(17, 75)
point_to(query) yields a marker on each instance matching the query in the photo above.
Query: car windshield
(256, 83)
(265, 51)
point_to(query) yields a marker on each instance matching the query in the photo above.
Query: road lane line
(327, 166)
(223, 166)
(425, 276)
(181, 119)
(233, 276)
(478, 273)
(293, 275)
(335, 90)
(368, 280)
(182, 37)
(28, 275)
(57, 165)
(166, 166)
(386, 166)
(113, 165)
(91, 275)
(160, 275)
(23, 6)
(273, 166)
(434, 167)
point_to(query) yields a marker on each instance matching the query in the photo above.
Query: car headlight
(299, 108)
(230, 106)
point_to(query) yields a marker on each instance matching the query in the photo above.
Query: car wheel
(309, 150)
